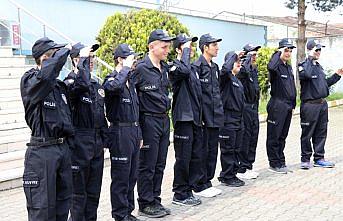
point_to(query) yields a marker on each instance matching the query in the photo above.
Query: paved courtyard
(316, 194)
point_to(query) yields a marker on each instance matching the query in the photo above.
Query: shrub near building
(134, 28)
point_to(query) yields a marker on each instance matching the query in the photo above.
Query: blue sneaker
(324, 163)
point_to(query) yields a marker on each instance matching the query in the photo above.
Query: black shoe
(162, 208)
(126, 218)
(234, 182)
(190, 201)
(133, 218)
(152, 212)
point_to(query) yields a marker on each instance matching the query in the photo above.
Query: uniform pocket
(273, 111)
(118, 154)
(78, 181)
(225, 141)
(33, 193)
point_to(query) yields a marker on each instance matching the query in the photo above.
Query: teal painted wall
(81, 20)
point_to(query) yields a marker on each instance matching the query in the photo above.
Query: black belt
(125, 124)
(156, 114)
(45, 141)
(233, 113)
(316, 101)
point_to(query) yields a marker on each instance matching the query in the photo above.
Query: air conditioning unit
(9, 34)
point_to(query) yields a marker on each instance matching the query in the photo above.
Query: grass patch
(264, 101)
(335, 96)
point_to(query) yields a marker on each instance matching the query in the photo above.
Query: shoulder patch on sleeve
(173, 68)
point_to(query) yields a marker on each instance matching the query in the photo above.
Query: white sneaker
(248, 175)
(254, 172)
(216, 190)
(207, 193)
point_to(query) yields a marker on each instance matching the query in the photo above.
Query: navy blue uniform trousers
(47, 182)
(124, 151)
(188, 147)
(314, 121)
(152, 159)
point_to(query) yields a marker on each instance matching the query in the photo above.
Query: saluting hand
(129, 61)
(85, 52)
(340, 71)
(69, 46)
(240, 53)
(186, 45)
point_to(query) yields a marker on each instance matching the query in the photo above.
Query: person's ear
(120, 60)
(178, 50)
(43, 57)
(206, 47)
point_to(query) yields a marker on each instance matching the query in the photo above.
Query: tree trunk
(301, 41)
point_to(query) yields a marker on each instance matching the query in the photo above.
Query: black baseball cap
(75, 50)
(206, 39)
(183, 38)
(312, 44)
(42, 45)
(250, 47)
(285, 42)
(123, 51)
(160, 35)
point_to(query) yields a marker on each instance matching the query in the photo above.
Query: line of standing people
(65, 158)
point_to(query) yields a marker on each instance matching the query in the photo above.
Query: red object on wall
(16, 32)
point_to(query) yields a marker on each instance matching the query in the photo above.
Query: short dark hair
(48, 53)
(202, 47)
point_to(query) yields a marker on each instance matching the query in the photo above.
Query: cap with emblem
(75, 50)
(42, 45)
(207, 39)
(250, 47)
(123, 51)
(160, 35)
(285, 42)
(312, 44)
(183, 38)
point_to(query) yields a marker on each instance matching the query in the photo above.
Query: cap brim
(255, 48)
(193, 39)
(287, 46)
(215, 40)
(58, 46)
(95, 47)
(138, 54)
(168, 39)
(319, 46)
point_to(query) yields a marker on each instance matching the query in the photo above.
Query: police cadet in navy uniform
(213, 114)
(187, 121)
(231, 134)
(125, 138)
(248, 75)
(87, 105)
(152, 87)
(314, 108)
(47, 178)
(280, 106)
